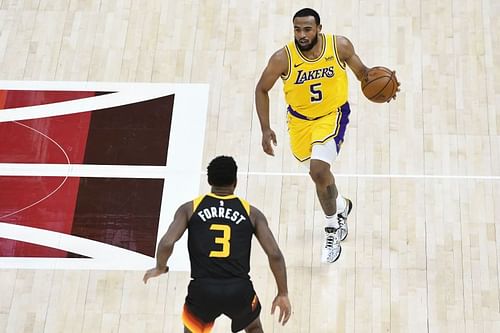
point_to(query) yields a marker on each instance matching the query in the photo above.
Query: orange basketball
(379, 84)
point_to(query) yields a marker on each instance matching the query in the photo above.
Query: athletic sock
(341, 204)
(331, 221)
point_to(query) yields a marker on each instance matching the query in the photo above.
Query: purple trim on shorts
(300, 115)
(344, 121)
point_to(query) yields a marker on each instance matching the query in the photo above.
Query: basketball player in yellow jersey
(313, 70)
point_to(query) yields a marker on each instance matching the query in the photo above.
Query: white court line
(83, 170)
(354, 175)
(94, 86)
(162, 172)
(112, 257)
(125, 94)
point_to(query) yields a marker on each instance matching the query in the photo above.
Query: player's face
(306, 32)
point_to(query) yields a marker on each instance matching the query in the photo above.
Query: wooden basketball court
(423, 172)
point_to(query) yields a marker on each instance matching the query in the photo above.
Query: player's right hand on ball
(399, 83)
(268, 137)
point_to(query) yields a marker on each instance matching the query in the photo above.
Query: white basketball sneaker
(331, 249)
(342, 219)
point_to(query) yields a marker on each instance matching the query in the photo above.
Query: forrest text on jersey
(221, 212)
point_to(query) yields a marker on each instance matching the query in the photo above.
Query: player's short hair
(221, 171)
(307, 12)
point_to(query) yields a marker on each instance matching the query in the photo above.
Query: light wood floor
(423, 172)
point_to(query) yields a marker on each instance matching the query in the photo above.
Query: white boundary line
(161, 172)
(340, 175)
(103, 255)
(83, 170)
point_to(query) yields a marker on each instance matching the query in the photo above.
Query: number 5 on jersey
(316, 93)
(224, 240)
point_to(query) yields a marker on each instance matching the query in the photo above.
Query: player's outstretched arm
(166, 245)
(276, 262)
(277, 65)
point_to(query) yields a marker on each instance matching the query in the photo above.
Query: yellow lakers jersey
(315, 87)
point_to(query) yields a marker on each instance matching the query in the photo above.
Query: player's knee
(320, 176)
(254, 327)
(257, 329)
(254, 330)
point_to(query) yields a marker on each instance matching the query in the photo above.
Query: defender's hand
(285, 308)
(268, 136)
(153, 272)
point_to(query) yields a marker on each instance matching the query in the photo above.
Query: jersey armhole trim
(197, 201)
(289, 58)
(246, 205)
(334, 43)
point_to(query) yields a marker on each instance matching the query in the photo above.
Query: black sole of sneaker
(349, 202)
(350, 207)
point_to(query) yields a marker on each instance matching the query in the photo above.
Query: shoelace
(330, 240)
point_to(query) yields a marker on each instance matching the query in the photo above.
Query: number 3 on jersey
(224, 240)
(316, 93)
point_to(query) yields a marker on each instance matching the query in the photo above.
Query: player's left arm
(348, 55)
(166, 245)
(276, 263)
